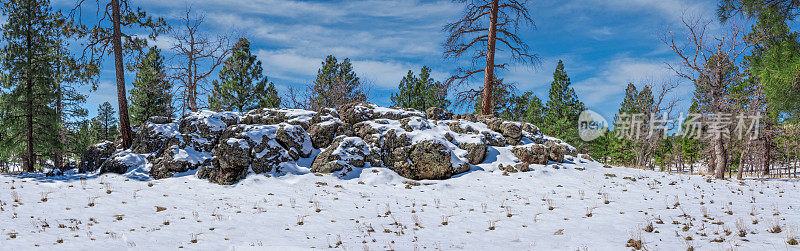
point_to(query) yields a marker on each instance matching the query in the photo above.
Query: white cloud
(610, 82)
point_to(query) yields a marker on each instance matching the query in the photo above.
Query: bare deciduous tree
(199, 56)
(485, 23)
(710, 62)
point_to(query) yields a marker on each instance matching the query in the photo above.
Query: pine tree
(563, 108)
(420, 92)
(29, 60)
(525, 108)
(151, 94)
(336, 84)
(104, 126)
(109, 37)
(241, 85)
(270, 97)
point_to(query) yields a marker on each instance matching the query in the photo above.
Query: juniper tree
(487, 26)
(420, 92)
(241, 85)
(29, 120)
(108, 37)
(563, 108)
(151, 94)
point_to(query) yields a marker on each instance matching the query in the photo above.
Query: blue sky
(603, 43)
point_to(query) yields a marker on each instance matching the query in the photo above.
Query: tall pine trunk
(30, 155)
(124, 119)
(488, 80)
(58, 155)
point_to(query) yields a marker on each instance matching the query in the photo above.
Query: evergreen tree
(241, 85)
(336, 84)
(29, 60)
(563, 109)
(104, 126)
(420, 92)
(270, 98)
(152, 93)
(525, 108)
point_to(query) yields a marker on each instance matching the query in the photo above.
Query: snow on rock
(95, 155)
(224, 147)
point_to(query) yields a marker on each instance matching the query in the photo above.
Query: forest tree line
(749, 69)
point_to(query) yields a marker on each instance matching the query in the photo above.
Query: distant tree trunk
(58, 155)
(488, 80)
(719, 159)
(767, 157)
(741, 163)
(124, 119)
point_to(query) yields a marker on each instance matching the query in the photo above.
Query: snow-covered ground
(559, 206)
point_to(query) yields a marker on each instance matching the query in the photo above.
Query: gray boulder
(345, 154)
(231, 163)
(95, 155)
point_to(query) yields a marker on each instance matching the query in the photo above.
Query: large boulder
(152, 137)
(231, 163)
(436, 113)
(176, 159)
(345, 154)
(511, 131)
(122, 161)
(207, 126)
(353, 113)
(428, 160)
(476, 152)
(322, 133)
(532, 154)
(556, 151)
(95, 155)
(272, 116)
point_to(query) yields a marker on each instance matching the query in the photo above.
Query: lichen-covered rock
(231, 163)
(152, 137)
(511, 131)
(362, 111)
(476, 152)
(122, 161)
(176, 159)
(436, 113)
(533, 154)
(294, 139)
(95, 155)
(428, 160)
(530, 129)
(322, 133)
(523, 167)
(272, 116)
(345, 154)
(466, 116)
(207, 125)
(556, 151)
(411, 124)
